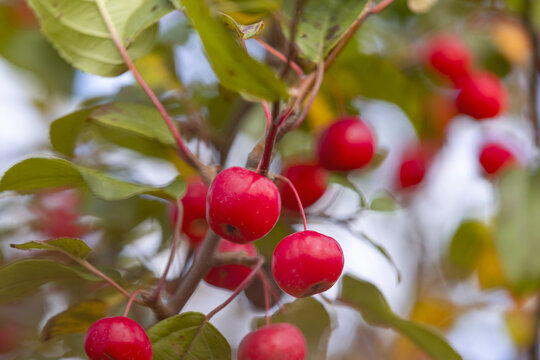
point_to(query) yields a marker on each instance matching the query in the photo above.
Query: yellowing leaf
(520, 324)
(433, 311)
(321, 114)
(490, 273)
(512, 41)
(421, 6)
(156, 73)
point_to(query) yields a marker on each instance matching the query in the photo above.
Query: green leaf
(64, 131)
(321, 24)
(234, 68)
(74, 247)
(41, 173)
(353, 65)
(370, 302)
(23, 278)
(384, 202)
(172, 337)
(517, 233)
(76, 319)
(77, 30)
(311, 318)
(466, 245)
(243, 31)
(343, 180)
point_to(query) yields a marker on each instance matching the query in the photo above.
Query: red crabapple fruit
(281, 341)
(118, 338)
(230, 276)
(310, 181)
(494, 157)
(449, 56)
(242, 206)
(346, 145)
(482, 96)
(194, 224)
(307, 263)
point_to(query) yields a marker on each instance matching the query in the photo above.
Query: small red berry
(118, 338)
(230, 276)
(307, 263)
(194, 224)
(281, 341)
(482, 96)
(347, 144)
(449, 56)
(414, 164)
(10, 336)
(310, 181)
(494, 157)
(242, 206)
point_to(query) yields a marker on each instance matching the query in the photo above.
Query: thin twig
(528, 25)
(184, 151)
(237, 291)
(130, 302)
(174, 245)
(280, 56)
(294, 26)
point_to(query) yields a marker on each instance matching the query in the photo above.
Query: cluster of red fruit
(481, 94)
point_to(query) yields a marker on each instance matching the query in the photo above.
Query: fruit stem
(176, 238)
(280, 56)
(264, 164)
(184, 151)
(130, 302)
(239, 288)
(267, 113)
(291, 185)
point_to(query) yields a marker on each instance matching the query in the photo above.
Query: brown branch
(294, 26)
(197, 271)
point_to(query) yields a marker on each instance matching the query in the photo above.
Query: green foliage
(75, 247)
(23, 278)
(321, 25)
(370, 302)
(76, 319)
(234, 68)
(517, 232)
(42, 173)
(77, 30)
(179, 337)
(466, 245)
(311, 318)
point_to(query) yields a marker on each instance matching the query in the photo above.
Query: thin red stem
(267, 113)
(130, 302)
(184, 150)
(174, 245)
(291, 185)
(312, 96)
(235, 293)
(280, 56)
(381, 6)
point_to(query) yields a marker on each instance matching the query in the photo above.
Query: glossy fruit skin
(413, 166)
(230, 276)
(281, 341)
(118, 338)
(307, 263)
(346, 145)
(242, 206)
(449, 56)
(482, 96)
(194, 225)
(494, 157)
(310, 181)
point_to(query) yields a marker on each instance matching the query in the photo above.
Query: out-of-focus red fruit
(194, 224)
(242, 206)
(482, 96)
(281, 341)
(58, 213)
(118, 338)
(440, 109)
(10, 335)
(230, 276)
(495, 157)
(414, 165)
(310, 181)
(348, 144)
(448, 55)
(307, 263)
